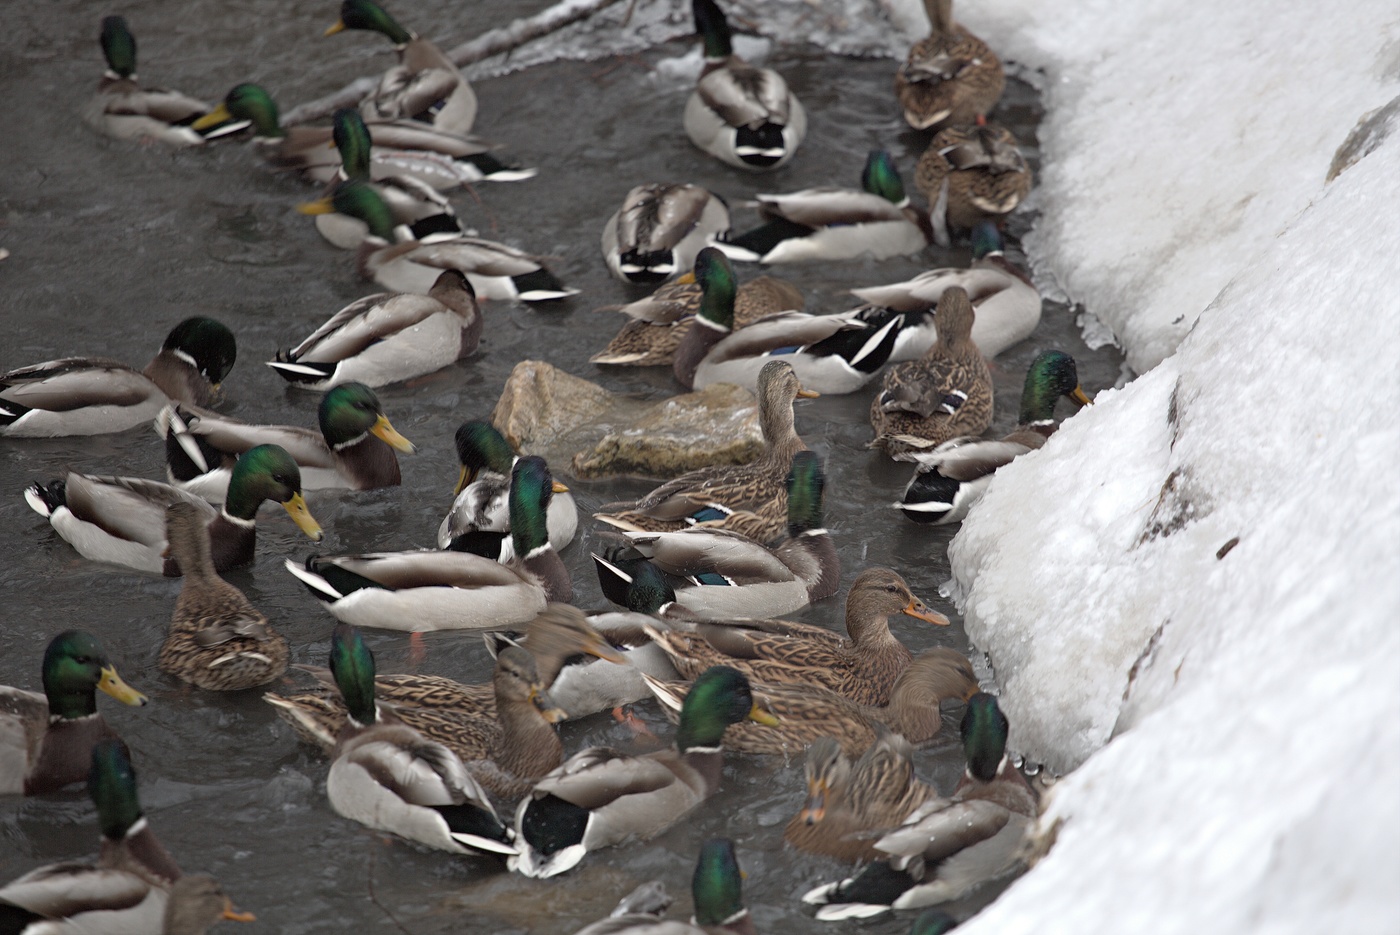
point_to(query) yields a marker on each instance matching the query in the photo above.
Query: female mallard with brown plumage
(217, 639)
(945, 847)
(748, 498)
(950, 77)
(862, 666)
(806, 712)
(720, 574)
(923, 403)
(47, 740)
(658, 324)
(970, 174)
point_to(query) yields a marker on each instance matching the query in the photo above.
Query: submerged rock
(568, 420)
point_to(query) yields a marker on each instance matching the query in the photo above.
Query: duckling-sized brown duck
(863, 667)
(971, 173)
(748, 498)
(947, 392)
(808, 712)
(217, 640)
(950, 77)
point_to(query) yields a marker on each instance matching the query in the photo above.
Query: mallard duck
(122, 519)
(95, 395)
(945, 847)
(197, 902)
(950, 77)
(405, 147)
(414, 204)
(806, 712)
(659, 229)
(390, 777)
(742, 115)
(424, 86)
(947, 392)
(658, 324)
(862, 667)
(482, 503)
(495, 270)
(717, 888)
(353, 447)
(126, 111)
(428, 589)
(849, 805)
(830, 353)
(721, 574)
(388, 337)
(837, 223)
(600, 797)
(217, 639)
(952, 477)
(971, 174)
(1006, 303)
(748, 498)
(126, 888)
(49, 737)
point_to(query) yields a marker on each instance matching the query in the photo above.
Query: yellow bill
(332, 30)
(559, 488)
(804, 393)
(296, 509)
(1079, 396)
(319, 206)
(233, 915)
(215, 117)
(111, 683)
(385, 430)
(763, 716)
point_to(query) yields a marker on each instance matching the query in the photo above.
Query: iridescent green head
(118, 46)
(649, 590)
(719, 697)
(356, 199)
(880, 177)
(986, 239)
(718, 287)
(718, 885)
(350, 411)
(531, 489)
(933, 922)
(246, 102)
(363, 14)
(805, 483)
(209, 343)
(353, 141)
(984, 730)
(713, 29)
(481, 448)
(352, 664)
(268, 472)
(1051, 375)
(112, 785)
(75, 667)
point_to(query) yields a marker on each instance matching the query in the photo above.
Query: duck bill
(233, 915)
(603, 650)
(763, 716)
(546, 707)
(804, 393)
(296, 509)
(339, 26)
(319, 206)
(464, 479)
(815, 809)
(559, 488)
(1080, 397)
(916, 609)
(386, 432)
(111, 683)
(215, 117)
(687, 279)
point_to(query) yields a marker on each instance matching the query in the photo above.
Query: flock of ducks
(703, 565)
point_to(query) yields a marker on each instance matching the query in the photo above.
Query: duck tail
(44, 499)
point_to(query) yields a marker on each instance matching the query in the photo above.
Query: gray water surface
(112, 243)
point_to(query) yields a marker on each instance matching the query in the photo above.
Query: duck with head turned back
(748, 498)
(217, 639)
(48, 739)
(425, 86)
(427, 589)
(95, 395)
(742, 115)
(122, 519)
(354, 446)
(388, 337)
(923, 403)
(837, 223)
(946, 847)
(862, 666)
(971, 174)
(950, 77)
(126, 888)
(388, 776)
(600, 797)
(953, 476)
